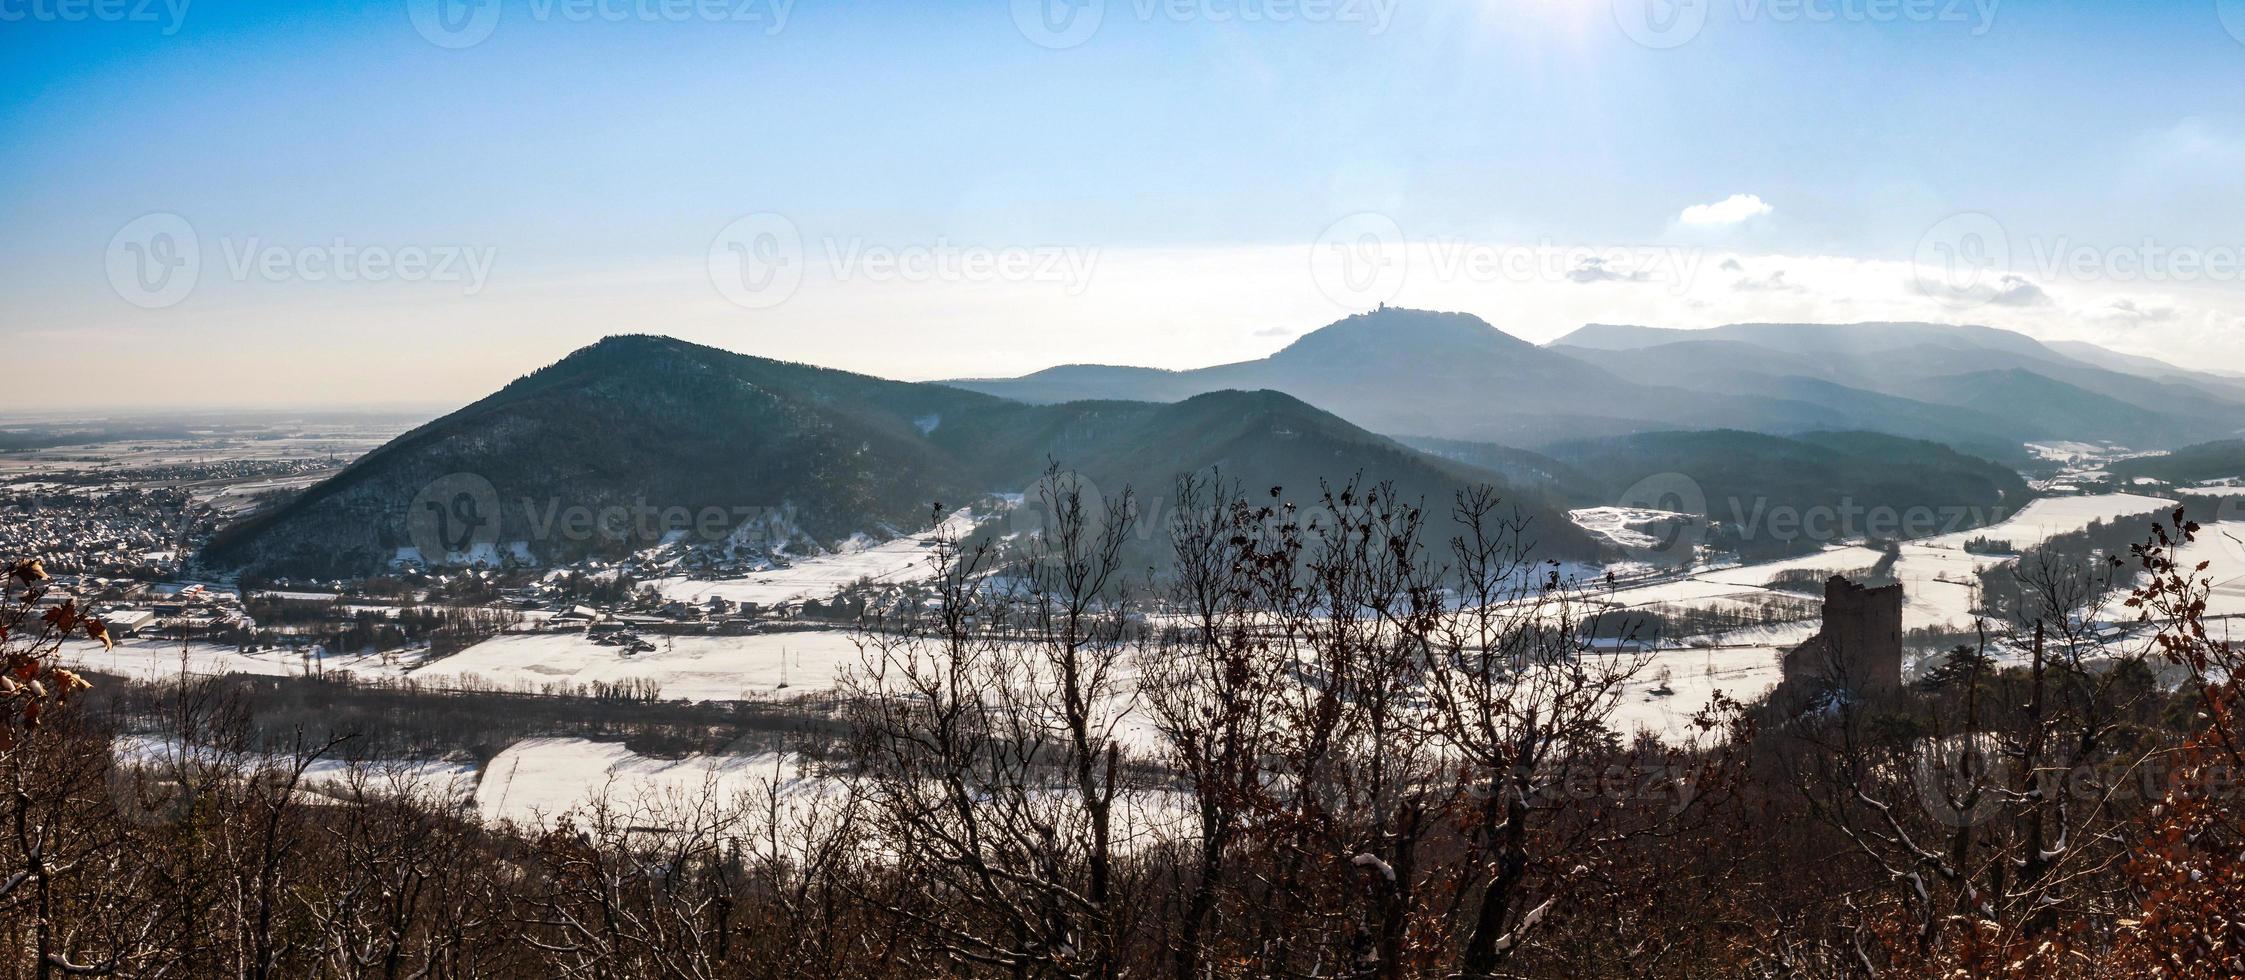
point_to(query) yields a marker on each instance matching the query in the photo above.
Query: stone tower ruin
(1860, 646)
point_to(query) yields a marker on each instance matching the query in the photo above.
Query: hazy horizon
(411, 204)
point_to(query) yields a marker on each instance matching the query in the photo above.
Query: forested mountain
(818, 455)
(1759, 488)
(646, 426)
(2220, 460)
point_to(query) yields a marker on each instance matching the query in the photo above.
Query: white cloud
(2131, 311)
(1728, 211)
(1773, 282)
(1597, 269)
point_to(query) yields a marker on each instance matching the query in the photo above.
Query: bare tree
(988, 727)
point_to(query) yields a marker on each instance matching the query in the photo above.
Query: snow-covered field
(148, 659)
(2049, 517)
(1937, 575)
(1629, 527)
(1693, 677)
(1938, 585)
(688, 667)
(2222, 546)
(436, 781)
(539, 779)
(902, 560)
(1938, 581)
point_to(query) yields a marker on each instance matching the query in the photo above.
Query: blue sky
(1187, 157)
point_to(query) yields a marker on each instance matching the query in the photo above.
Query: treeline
(1671, 622)
(405, 719)
(2067, 574)
(343, 628)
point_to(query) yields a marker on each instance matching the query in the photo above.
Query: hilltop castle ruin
(1860, 646)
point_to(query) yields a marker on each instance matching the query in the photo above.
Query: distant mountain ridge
(1418, 373)
(1996, 382)
(817, 454)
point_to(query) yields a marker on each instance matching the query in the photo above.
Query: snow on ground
(440, 781)
(1938, 585)
(695, 668)
(1839, 559)
(1742, 672)
(1686, 591)
(902, 560)
(1629, 527)
(539, 779)
(149, 659)
(2049, 517)
(1938, 576)
(2222, 546)
(1783, 636)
